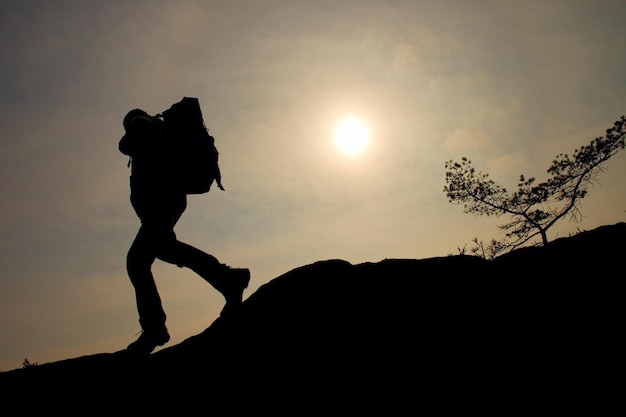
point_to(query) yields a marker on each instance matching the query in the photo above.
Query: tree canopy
(535, 207)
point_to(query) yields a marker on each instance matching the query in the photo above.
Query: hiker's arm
(125, 146)
(139, 138)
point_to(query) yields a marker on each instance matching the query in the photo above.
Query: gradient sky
(509, 84)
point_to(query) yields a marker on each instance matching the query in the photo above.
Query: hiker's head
(131, 115)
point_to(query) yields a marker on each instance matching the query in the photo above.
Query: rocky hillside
(536, 329)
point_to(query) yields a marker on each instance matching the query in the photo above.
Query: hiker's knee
(167, 249)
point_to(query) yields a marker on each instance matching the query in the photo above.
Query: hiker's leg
(230, 282)
(139, 260)
(173, 251)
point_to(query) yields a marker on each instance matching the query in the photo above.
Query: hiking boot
(148, 341)
(235, 281)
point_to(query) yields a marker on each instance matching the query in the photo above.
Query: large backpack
(191, 152)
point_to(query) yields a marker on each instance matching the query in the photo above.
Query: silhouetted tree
(534, 207)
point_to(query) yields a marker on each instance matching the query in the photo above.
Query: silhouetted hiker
(159, 204)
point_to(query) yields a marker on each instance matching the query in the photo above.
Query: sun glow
(351, 136)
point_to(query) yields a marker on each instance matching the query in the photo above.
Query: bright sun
(351, 136)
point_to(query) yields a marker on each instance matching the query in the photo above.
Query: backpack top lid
(185, 113)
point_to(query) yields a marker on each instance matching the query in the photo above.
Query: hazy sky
(508, 83)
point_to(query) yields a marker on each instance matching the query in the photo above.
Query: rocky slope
(536, 329)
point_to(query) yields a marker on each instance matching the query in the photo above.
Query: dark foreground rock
(534, 330)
